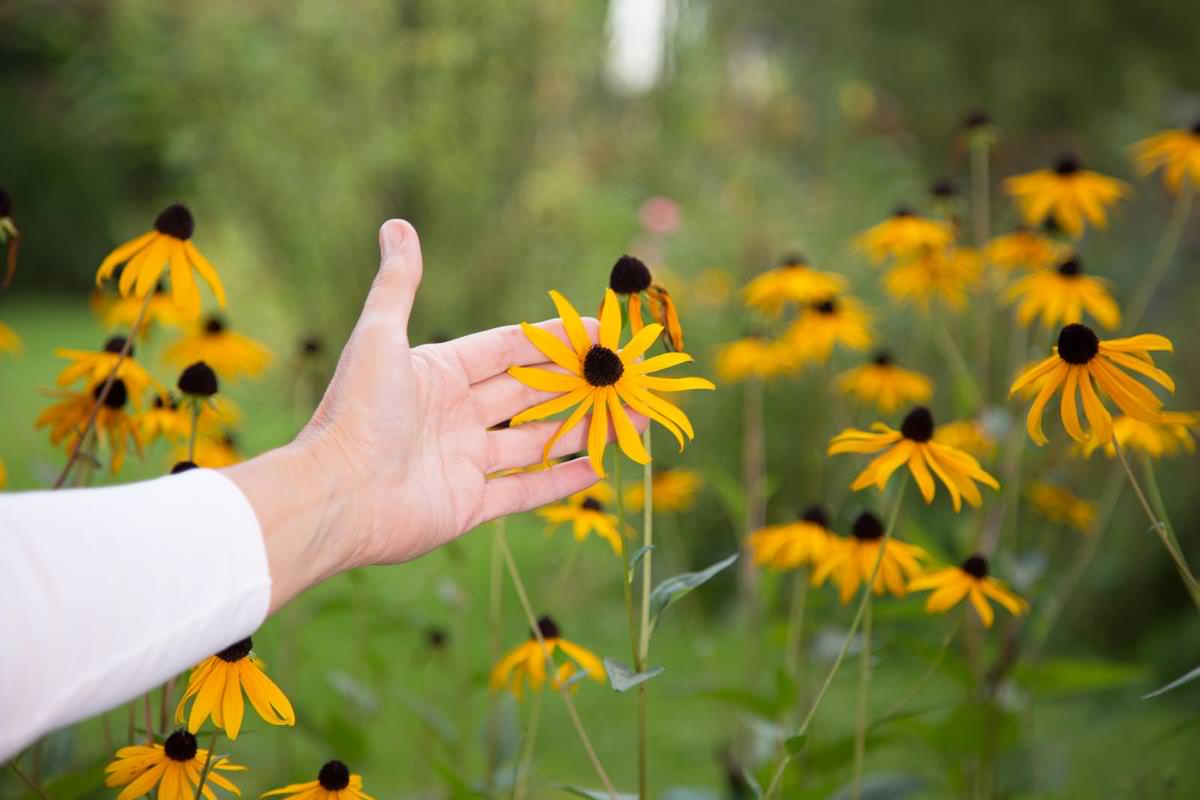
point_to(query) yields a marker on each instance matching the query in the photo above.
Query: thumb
(400, 267)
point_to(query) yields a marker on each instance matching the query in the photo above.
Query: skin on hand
(393, 462)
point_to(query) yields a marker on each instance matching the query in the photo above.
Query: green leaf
(752, 782)
(794, 744)
(623, 678)
(1067, 676)
(593, 794)
(672, 589)
(634, 559)
(1175, 684)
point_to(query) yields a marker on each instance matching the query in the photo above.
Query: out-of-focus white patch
(637, 43)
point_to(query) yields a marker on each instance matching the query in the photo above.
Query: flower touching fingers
(604, 378)
(216, 686)
(1061, 296)
(173, 766)
(334, 781)
(527, 664)
(1068, 194)
(969, 580)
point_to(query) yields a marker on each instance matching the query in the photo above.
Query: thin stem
(920, 684)
(208, 760)
(103, 395)
(981, 219)
(195, 426)
(644, 641)
(1156, 499)
(753, 475)
(33, 786)
(954, 354)
(1167, 246)
(495, 599)
(793, 660)
(626, 568)
(1160, 528)
(519, 586)
(148, 706)
(860, 721)
(522, 778)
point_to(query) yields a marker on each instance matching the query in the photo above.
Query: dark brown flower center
(310, 346)
(629, 276)
(827, 307)
(1071, 268)
(602, 367)
(198, 380)
(175, 220)
(334, 776)
(793, 259)
(918, 425)
(943, 189)
(1067, 165)
(547, 627)
(214, 324)
(183, 466)
(237, 651)
(592, 504)
(1196, 128)
(883, 359)
(867, 527)
(180, 746)
(977, 119)
(901, 212)
(116, 344)
(976, 566)
(117, 395)
(1078, 344)
(436, 638)
(816, 515)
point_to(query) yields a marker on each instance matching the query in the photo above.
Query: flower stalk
(1163, 255)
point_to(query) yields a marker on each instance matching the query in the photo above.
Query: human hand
(395, 460)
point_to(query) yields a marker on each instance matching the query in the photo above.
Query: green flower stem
(195, 427)
(644, 641)
(527, 748)
(495, 604)
(958, 362)
(208, 763)
(981, 223)
(626, 574)
(1163, 255)
(860, 720)
(793, 654)
(912, 693)
(25, 779)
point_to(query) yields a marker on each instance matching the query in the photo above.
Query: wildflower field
(905, 293)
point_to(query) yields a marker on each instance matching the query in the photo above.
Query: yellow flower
(113, 426)
(1062, 295)
(1177, 152)
(674, 490)
(212, 451)
(526, 664)
(915, 446)
(969, 435)
(173, 766)
(793, 281)
(166, 419)
(586, 515)
(9, 341)
(145, 258)
(1059, 505)
(886, 385)
(1068, 194)
(216, 686)
(793, 544)
(831, 321)
(604, 378)
(94, 367)
(1025, 249)
(3, 474)
(631, 278)
(115, 311)
(1172, 433)
(903, 234)
(756, 357)
(850, 560)
(334, 782)
(230, 354)
(945, 273)
(970, 580)
(1080, 358)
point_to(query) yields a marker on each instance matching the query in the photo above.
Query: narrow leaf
(634, 559)
(672, 589)
(622, 678)
(1175, 684)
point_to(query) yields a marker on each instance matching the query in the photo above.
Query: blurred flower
(942, 272)
(674, 490)
(792, 544)
(3, 474)
(146, 256)
(902, 234)
(969, 580)
(850, 560)
(660, 215)
(969, 435)
(67, 418)
(603, 378)
(1062, 295)
(230, 354)
(95, 366)
(334, 782)
(823, 324)
(793, 281)
(216, 686)
(212, 451)
(979, 129)
(173, 766)
(1068, 193)
(586, 515)
(526, 664)
(1172, 433)
(115, 311)
(914, 445)
(883, 383)
(631, 278)
(1176, 152)
(9, 341)
(1061, 506)
(166, 419)
(1080, 358)
(1025, 249)
(756, 357)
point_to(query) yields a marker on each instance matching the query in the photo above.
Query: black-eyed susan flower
(882, 382)
(914, 445)
(526, 664)
(969, 435)
(832, 321)
(902, 234)
(586, 515)
(970, 580)
(334, 781)
(217, 683)
(1062, 295)
(1175, 152)
(1061, 506)
(793, 281)
(1068, 193)
(944, 273)
(10, 237)
(1025, 248)
(10, 342)
(792, 544)
(230, 354)
(1172, 434)
(116, 311)
(673, 490)
(631, 278)
(168, 245)
(164, 418)
(1078, 360)
(114, 428)
(754, 357)
(94, 367)
(174, 767)
(850, 560)
(603, 378)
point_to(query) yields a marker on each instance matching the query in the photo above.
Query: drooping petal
(627, 436)
(1033, 420)
(986, 615)
(610, 321)
(123, 253)
(572, 323)
(598, 431)
(203, 266)
(1068, 410)
(585, 404)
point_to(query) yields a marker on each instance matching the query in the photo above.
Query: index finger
(487, 353)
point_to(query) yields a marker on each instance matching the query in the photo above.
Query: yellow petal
(572, 323)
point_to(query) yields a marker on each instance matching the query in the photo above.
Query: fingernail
(393, 238)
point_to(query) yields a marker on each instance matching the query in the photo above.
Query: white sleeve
(107, 593)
